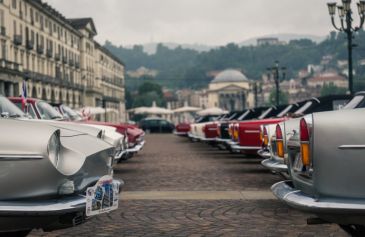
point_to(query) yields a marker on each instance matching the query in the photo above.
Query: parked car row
(57, 167)
(317, 145)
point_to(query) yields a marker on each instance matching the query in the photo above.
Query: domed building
(229, 90)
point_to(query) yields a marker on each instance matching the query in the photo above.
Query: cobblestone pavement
(173, 165)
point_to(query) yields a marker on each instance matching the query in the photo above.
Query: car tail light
(235, 132)
(219, 130)
(266, 137)
(279, 141)
(304, 142)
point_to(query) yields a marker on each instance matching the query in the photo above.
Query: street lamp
(275, 73)
(345, 15)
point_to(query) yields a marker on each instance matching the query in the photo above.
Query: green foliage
(283, 98)
(331, 89)
(147, 93)
(186, 68)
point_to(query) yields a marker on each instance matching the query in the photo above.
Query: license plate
(103, 197)
(298, 165)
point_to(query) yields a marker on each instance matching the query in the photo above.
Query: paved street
(177, 188)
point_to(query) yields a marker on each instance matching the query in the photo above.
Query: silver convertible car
(52, 178)
(326, 165)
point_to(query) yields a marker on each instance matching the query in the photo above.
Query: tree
(331, 89)
(283, 98)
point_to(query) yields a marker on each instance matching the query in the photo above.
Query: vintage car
(40, 109)
(134, 137)
(274, 148)
(211, 129)
(249, 131)
(246, 134)
(49, 176)
(107, 133)
(196, 130)
(326, 166)
(182, 129)
(156, 125)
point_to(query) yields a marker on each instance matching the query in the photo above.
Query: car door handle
(352, 147)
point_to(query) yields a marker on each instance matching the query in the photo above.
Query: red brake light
(279, 133)
(304, 132)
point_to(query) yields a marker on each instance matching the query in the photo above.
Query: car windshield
(354, 102)
(8, 109)
(46, 111)
(304, 107)
(265, 113)
(71, 113)
(243, 115)
(285, 111)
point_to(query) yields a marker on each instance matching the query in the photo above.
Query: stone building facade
(58, 58)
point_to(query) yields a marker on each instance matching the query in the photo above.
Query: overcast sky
(213, 22)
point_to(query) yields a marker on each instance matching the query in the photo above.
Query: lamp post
(275, 73)
(345, 15)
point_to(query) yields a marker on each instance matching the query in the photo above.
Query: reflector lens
(266, 138)
(280, 148)
(304, 150)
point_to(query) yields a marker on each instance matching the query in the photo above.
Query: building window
(36, 17)
(14, 4)
(15, 28)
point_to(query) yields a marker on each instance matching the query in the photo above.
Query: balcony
(40, 49)
(64, 59)
(11, 67)
(57, 57)
(77, 65)
(30, 44)
(71, 62)
(3, 31)
(49, 53)
(18, 39)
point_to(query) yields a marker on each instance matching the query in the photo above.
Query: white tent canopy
(212, 111)
(151, 110)
(187, 109)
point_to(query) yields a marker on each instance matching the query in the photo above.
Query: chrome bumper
(204, 139)
(264, 153)
(136, 148)
(181, 133)
(120, 154)
(222, 140)
(64, 205)
(238, 147)
(276, 165)
(287, 193)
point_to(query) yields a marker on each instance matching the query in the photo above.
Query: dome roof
(230, 75)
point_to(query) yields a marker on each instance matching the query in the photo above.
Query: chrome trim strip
(20, 157)
(252, 131)
(352, 147)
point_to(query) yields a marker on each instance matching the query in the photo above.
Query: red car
(182, 129)
(42, 110)
(246, 134)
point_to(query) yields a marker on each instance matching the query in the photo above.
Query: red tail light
(304, 142)
(279, 141)
(304, 132)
